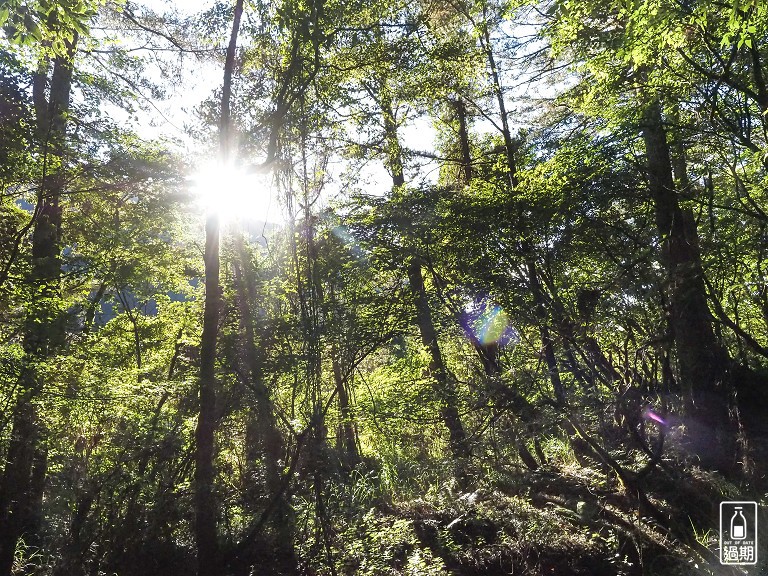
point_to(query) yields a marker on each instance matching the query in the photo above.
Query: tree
(208, 563)
(25, 468)
(622, 56)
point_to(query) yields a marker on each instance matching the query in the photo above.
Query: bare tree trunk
(347, 431)
(547, 344)
(509, 143)
(510, 149)
(205, 499)
(528, 253)
(269, 438)
(25, 467)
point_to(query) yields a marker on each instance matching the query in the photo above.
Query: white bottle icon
(738, 525)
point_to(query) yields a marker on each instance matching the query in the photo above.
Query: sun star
(235, 194)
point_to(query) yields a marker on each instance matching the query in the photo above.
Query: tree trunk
(347, 436)
(489, 352)
(347, 441)
(466, 152)
(527, 250)
(25, 467)
(205, 499)
(702, 362)
(205, 502)
(437, 370)
(264, 441)
(509, 144)
(269, 439)
(510, 149)
(445, 389)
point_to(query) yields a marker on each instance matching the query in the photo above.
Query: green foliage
(377, 545)
(540, 261)
(46, 23)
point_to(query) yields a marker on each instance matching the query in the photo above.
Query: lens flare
(489, 324)
(494, 325)
(342, 233)
(649, 414)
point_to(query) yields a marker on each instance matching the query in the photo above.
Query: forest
(382, 287)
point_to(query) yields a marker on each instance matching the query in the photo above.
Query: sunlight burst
(236, 195)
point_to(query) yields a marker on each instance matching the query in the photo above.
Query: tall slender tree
(206, 508)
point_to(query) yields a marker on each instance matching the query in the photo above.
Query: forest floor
(560, 519)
